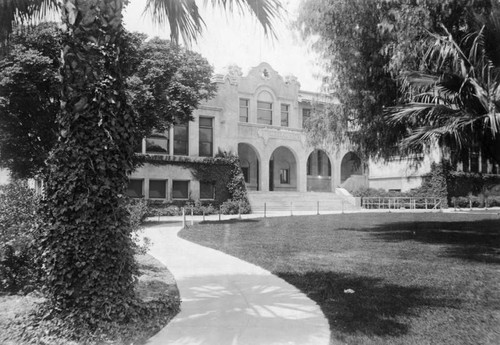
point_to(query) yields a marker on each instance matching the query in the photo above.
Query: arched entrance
(319, 172)
(282, 170)
(249, 161)
(351, 172)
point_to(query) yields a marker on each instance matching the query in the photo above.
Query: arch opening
(249, 162)
(351, 172)
(282, 170)
(319, 172)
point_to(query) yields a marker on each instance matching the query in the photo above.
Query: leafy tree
(29, 100)
(165, 82)
(167, 85)
(365, 46)
(86, 243)
(455, 100)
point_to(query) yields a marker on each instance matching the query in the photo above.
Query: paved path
(227, 301)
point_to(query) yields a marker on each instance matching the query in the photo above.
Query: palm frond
(456, 129)
(264, 10)
(182, 17)
(22, 12)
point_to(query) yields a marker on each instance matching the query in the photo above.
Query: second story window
(264, 113)
(244, 109)
(206, 137)
(284, 114)
(181, 139)
(306, 114)
(157, 143)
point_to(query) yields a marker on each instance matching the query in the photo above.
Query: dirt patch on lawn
(155, 279)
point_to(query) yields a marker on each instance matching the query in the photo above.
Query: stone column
(264, 174)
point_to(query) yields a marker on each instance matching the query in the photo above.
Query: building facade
(260, 117)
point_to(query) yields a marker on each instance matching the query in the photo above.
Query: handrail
(398, 202)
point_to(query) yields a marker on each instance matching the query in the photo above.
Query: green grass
(426, 278)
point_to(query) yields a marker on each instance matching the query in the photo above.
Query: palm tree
(456, 103)
(86, 242)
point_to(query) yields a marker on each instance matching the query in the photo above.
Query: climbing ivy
(85, 242)
(223, 170)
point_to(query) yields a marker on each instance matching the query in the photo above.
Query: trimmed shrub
(235, 207)
(199, 208)
(461, 184)
(476, 201)
(161, 208)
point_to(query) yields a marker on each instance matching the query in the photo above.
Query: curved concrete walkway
(227, 301)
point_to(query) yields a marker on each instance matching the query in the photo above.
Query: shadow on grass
(475, 241)
(373, 309)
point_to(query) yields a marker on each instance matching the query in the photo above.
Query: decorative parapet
(233, 73)
(292, 80)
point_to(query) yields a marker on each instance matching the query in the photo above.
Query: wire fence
(412, 203)
(302, 207)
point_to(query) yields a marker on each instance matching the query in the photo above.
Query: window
(206, 137)
(284, 114)
(285, 176)
(157, 144)
(181, 139)
(207, 190)
(134, 189)
(306, 114)
(158, 189)
(180, 189)
(265, 113)
(244, 108)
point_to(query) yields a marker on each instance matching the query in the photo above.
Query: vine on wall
(223, 171)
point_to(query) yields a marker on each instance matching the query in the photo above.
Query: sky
(236, 39)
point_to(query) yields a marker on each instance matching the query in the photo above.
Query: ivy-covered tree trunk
(87, 253)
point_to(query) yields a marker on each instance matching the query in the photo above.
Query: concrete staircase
(299, 202)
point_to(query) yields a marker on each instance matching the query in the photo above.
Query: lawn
(426, 278)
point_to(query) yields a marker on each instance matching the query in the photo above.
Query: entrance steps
(299, 202)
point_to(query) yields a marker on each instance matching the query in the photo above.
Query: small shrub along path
(381, 278)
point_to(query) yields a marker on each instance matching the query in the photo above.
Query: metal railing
(302, 207)
(412, 203)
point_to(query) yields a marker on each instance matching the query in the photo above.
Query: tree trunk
(86, 242)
